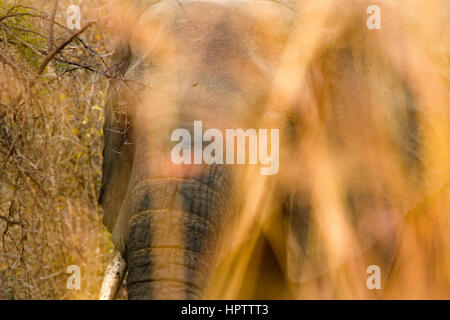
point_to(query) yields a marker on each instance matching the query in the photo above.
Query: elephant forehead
(208, 55)
(237, 40)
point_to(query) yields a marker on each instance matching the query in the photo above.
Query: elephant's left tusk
(115, 272)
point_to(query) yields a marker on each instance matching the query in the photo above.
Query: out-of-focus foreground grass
(371, 159)
(51, 140)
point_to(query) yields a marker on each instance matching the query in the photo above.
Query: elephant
(231, 64)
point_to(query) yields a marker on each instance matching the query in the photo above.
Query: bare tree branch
(51, 24)
(10, 222)
(50, 56)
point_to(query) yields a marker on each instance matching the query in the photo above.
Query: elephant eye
(285, 121)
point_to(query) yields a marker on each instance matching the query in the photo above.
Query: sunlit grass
(351, 141)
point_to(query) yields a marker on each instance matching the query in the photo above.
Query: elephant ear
(117, 150)
(315, 245)
(377, 147)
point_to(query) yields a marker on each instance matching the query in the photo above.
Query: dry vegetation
(50, 150)
(356, 122)
(51, 143)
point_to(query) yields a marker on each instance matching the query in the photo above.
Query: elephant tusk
(115, 272)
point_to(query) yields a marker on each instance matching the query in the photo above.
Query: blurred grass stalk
(50, 179)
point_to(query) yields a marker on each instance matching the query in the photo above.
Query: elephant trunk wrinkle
(172, 230)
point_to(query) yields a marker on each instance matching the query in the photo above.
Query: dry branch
(50, 56)
(10, 222)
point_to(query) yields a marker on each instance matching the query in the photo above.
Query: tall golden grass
(351, 120)
(351, 116)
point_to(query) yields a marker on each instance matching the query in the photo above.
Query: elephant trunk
(172, 235)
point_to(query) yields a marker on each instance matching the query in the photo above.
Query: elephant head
(220, 62)
(207, 61)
